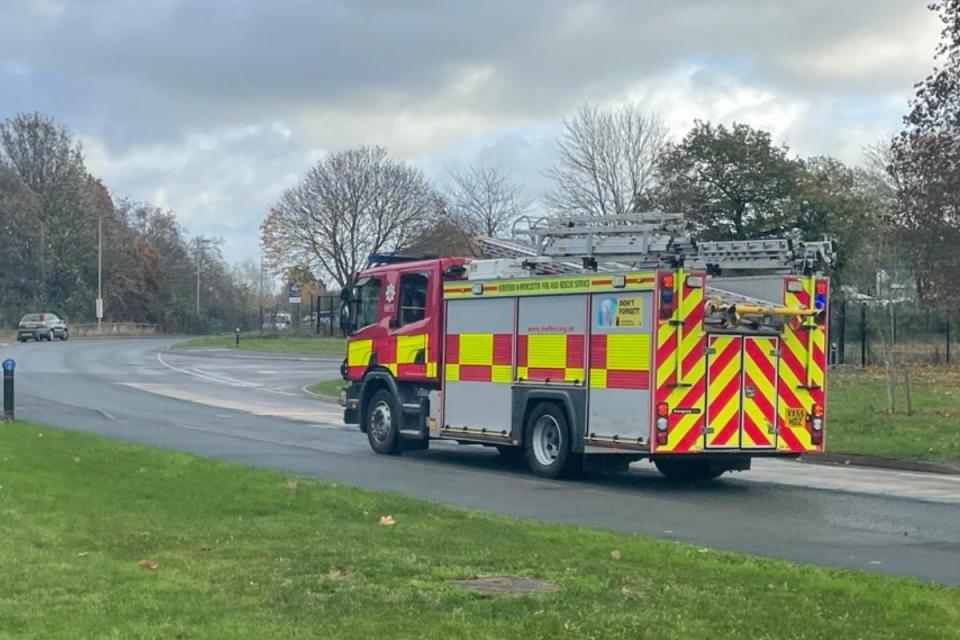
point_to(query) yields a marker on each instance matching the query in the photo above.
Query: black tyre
(381, 418)
(547, 441)
(65, 336)
(686, 470)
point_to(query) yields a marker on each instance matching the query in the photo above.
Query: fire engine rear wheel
(547, 442)
(382, 421)
(689, 470)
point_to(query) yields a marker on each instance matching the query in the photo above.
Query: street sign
(9, 365)
(99, 308)
(293, 293)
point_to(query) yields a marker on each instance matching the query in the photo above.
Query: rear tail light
(816, 425)
(662, 422)
(667, 299)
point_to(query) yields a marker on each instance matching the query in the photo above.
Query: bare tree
(350, 205)
(607, 161)
(484, 198)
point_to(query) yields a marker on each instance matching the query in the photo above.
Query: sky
(213, 107)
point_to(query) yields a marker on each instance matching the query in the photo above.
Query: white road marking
(301, 413)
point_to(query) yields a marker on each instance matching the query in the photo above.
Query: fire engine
(596, 342)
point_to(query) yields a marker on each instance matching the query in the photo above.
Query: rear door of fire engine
(741, 392)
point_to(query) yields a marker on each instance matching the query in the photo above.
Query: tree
(351, 204)
(484, 198)
(734, 183)
(606, 161)
(48, 161)
(19, 245)
(926, 162)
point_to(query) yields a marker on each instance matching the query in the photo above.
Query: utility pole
(199, 241)
(99, 272)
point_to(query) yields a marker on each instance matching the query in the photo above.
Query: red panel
(619, 379)
(542, 373)
(452, 349)
(521, 350)
(475, 372)
(410, 370)
(575, 351)
(502, 348)
(598, 351)
(386, 349)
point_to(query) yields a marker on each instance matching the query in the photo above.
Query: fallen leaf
(387, 521)
(292, 485)
(148, 564)
(83, 554)
(615, 554)
(366, 513)
(76, 460)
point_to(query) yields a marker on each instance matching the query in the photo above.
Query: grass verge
(328, 388)
(105, 539)
(858, 422)
(275, 344)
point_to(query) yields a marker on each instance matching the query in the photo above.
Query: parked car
(42, 326)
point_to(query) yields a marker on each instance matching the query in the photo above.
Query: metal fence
(864, 333)
(320, 317)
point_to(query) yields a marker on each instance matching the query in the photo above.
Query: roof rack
(652, 239)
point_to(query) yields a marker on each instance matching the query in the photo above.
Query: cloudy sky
(213, 107)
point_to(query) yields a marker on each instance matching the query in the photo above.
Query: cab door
(412, 301)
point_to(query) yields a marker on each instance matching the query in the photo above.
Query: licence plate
(796, 418)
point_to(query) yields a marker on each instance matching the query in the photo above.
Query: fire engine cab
(595, 343)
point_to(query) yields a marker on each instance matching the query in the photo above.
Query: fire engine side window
(413, 297)
(368, 310)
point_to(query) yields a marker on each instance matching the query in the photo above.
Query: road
(249, 408)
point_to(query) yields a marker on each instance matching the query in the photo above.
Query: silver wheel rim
(547, 439)
(380, 421)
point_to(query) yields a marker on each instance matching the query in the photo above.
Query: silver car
(42, 326)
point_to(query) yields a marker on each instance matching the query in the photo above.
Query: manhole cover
(505, 584)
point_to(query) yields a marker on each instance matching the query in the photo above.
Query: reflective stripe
(802, 368)
(681, 370)
(479, 357)
(620, 361)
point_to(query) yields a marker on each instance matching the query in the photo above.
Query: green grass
(857, 421)
(244, 553)
(329, 388)
(276, 344)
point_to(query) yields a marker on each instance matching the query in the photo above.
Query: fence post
(863, 334)
(8, 368)
(842, 333)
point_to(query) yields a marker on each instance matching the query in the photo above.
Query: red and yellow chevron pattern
(724, 365)
(681, 368)
(759, 392)
(802, 369)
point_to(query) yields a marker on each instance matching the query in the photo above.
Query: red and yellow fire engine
(597, 343)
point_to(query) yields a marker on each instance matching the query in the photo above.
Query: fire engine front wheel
(689, 470)
(547, 441)
(382, 416)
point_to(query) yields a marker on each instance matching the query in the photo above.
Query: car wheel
(547, 441)
(65, 336)
(686, 470)
(382, 418)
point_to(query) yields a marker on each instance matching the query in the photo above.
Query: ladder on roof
(652, 239)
